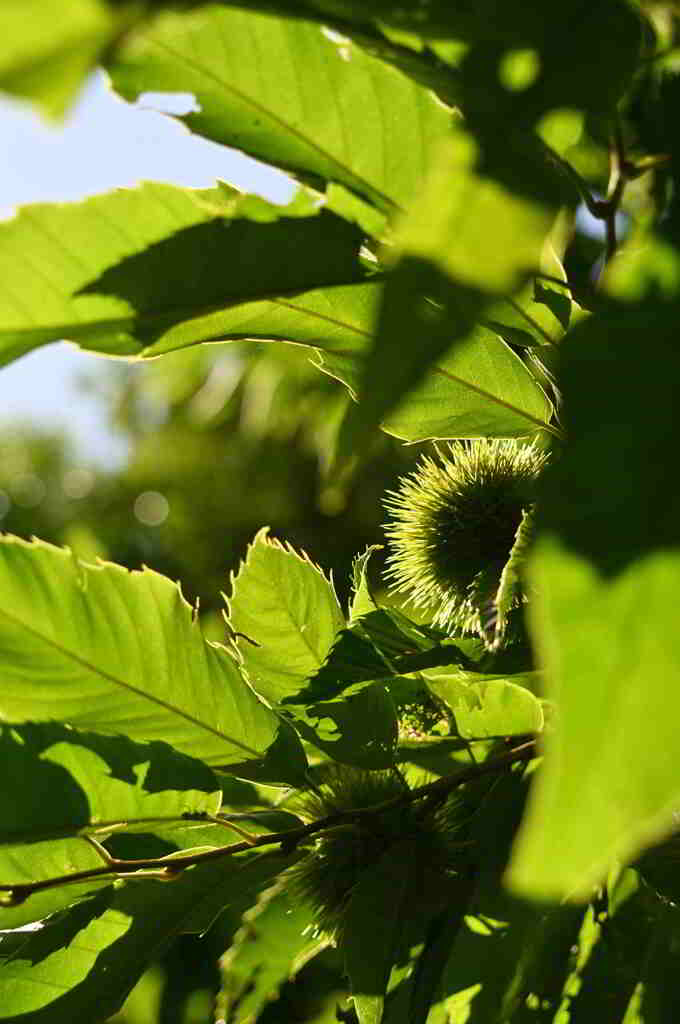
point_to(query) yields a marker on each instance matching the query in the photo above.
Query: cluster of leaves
(376, 764)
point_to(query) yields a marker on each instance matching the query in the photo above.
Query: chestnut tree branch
(170, 867)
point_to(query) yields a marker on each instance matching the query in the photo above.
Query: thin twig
(618, 175)
(170, 867)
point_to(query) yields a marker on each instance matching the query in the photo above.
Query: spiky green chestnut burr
(454, 523)
(329, 874)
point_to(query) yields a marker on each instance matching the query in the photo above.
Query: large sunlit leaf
(82, 963)
(155, 267)
(605, 568)
(293, 94)
(119, 652)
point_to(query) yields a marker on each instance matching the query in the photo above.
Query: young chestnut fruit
(453, 524)
(329, 874)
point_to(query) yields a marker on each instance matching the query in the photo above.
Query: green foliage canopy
(431, 264)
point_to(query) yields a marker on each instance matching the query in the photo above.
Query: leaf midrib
(348, 354)
(499, 401)
(189, 313)
(130, 687)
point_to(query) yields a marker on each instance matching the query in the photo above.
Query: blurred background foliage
(223, 440)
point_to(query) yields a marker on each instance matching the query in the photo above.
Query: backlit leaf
(287, 613)
(288, 91)
(119, 652)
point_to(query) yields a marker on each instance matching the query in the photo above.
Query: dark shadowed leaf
(274, 939)
(377, 919)
(360, 730)
(83, 962)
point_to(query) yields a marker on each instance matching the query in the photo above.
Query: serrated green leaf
(283, 603)
(603, 618)
(119, 652)
(362, 598)
(287, 91)
(287, 613)
(156, 268)
(491, 706)
(337, 317)
(274, 935)
(511, 577)
(82, 963)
